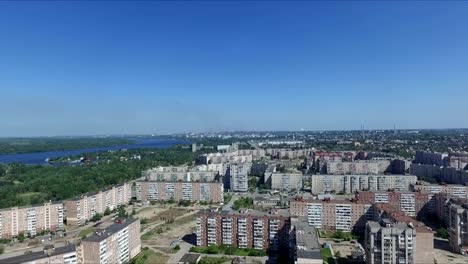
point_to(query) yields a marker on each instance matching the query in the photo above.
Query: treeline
(25, 184)
(27, 145)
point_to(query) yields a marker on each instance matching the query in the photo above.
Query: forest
(27, 145)
(34, 184)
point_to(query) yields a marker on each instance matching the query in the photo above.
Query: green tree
(96, 217)
(443, 233)
(121, 212)
(107, 211)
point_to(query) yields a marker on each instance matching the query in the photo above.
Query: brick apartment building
(244, 229)
(31, 220)
(188, 191)
(411, 203)
(118, 243)
(81, 209)
(394, 237)
(451, 189)
(332, 215)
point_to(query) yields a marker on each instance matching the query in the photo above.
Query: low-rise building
(31, 220)
(80, 210)
(61, 255)
(352, 183)
(244, 229)
(188, 191)
(118, 243)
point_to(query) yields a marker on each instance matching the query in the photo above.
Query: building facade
(118, 243)
(245, 229)
(286, 181)
(80, 210)
(61, 255)
(352, 183)
(189, 191)
(411, 203)
(451, 189)
(31, 220)
(332, 215)
(237, 175)
(453, 211)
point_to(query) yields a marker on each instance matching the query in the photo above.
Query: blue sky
(80, 68)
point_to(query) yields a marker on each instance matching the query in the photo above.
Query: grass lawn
(213, 260)
(86, 232)
(147, 256)
(327, 256)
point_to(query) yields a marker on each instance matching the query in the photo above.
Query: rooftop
(100, 235)
(306, 240)
(39, 255)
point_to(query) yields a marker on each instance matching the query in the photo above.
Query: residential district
(277, 201)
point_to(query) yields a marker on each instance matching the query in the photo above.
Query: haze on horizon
(85, 68)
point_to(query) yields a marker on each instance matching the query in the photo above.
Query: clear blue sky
(118, 67)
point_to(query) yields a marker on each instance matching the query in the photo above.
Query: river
(40, 157)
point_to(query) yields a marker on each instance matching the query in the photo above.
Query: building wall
(332, 215)
(242, 230)
(411, 203)
(80, 210)
(119, 247)
(31, 220)
(286, 181)
(351, 183)
(190, 191)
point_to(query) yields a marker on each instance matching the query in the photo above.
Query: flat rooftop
(39, 255)
(307, 245)
(100, 235)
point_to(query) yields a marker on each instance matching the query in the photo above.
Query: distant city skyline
(113, 68)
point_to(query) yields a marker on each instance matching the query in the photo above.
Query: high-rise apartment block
(245, 229)
(352, 183)
(453, 211)
(117, 243)
(286, 181)
(180, 173)
(237, 177)
(431, 158)
(332, 215)
(396, 238)
(304, 244)
(410, 203)
(451, 189)
(188, 191)
(31, 220)
(81, 209)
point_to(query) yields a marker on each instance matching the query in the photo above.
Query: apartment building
(188, 191)
(118, 243)
(181, 173)
(244, 229)
(289, 153)
(332, 215)
(451, 189)
(286, 181)
(458, 160)
(352, 183)
(396, 238)
(237, 177)
(431, 158)
(228, 157)
(31, 220)
(61, 255)
(81, 209)
(357, 167)
(304, 244)
(411, 203)
(441, 174)
(454, 212)
(256, 153)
